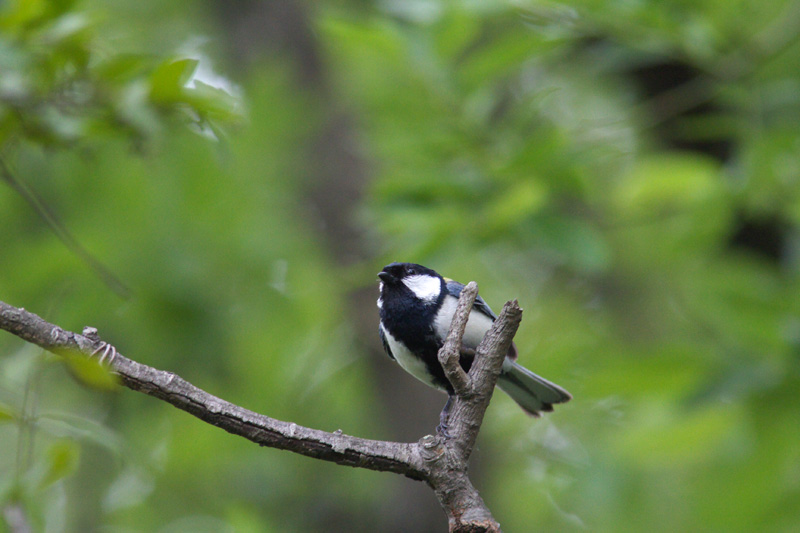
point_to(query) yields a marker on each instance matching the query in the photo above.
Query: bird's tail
(533, 393)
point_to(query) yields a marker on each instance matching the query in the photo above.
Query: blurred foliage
(60, 88)
(627, 170)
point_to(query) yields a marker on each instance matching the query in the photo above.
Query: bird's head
(410, 279)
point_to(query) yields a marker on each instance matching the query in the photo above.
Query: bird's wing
(385, 344)
(454, 288)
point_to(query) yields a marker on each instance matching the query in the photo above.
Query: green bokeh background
(629, 171)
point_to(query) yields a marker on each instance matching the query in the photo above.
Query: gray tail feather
(533, 393)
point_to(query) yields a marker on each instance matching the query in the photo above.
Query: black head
(412, 281)
(397, 272)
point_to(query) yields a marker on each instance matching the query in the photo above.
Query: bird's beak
(385, 276)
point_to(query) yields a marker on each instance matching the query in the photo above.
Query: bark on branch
(464, 507)
(441, 464)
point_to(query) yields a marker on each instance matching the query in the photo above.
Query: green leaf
(63, 424)
(17, 15)
(122, 67)
(70, 27)
(90, 372)
(168, 80)
(62, 460)
(130, 488)
(214, 101)
(7, 413)
(61, 6)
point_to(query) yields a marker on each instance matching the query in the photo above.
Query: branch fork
(442, 464)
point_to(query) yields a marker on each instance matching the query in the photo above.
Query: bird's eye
(412, 271)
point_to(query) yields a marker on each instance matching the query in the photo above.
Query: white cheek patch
(424, 287)
(380, 298)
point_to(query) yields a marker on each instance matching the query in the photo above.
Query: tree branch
(441, 464)
(401, 458)
(489, 357)
(450, 353)
(465, 509)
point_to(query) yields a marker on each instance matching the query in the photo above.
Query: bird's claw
(444, 417)
(109, 353)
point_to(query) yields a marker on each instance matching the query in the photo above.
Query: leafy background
(214, 186)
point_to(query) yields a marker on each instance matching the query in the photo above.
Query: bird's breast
(411, 363)
(477, 325)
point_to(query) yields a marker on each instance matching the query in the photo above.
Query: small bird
(416, 307)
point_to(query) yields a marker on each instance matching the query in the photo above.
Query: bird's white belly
(410, 362)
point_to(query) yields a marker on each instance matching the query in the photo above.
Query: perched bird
(416, 307)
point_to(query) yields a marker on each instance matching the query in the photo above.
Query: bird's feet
(444, 417)
(108, 353)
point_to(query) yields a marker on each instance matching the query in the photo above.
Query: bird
(416, 308)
